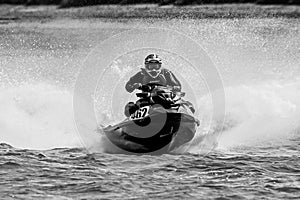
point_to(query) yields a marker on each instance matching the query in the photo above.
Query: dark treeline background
(71, 3)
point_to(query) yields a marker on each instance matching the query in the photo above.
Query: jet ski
(160, 122)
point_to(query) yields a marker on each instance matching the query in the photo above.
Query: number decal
(140, 113)
(144, 110)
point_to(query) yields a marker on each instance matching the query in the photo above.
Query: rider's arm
(172, 80)
(131, 84)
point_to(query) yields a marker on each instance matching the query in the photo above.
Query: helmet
(153, 65)
(153, 58)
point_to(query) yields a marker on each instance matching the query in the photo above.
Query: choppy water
(73, 174)
(256, 155)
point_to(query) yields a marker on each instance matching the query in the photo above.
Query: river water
(249, 152)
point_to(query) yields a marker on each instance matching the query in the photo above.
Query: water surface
(255, 156)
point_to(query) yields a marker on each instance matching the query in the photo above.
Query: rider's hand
(137, 85)
(176, 88)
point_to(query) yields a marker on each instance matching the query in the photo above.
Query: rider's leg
(130, 108)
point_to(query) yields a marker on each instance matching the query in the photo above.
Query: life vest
(160, 79)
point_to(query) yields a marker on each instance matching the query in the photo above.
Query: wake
(256, 115)
(40, 116)
(37, 116)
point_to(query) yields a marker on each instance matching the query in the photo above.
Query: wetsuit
(165, 78)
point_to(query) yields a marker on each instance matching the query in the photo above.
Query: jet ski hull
(160, 132)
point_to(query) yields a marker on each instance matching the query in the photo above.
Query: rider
(152, 73)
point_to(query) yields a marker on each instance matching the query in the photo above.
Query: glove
(145, 88)
(137, 85)
(176, 88)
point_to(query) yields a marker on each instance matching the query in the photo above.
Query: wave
(37, 116)
(259, 114)
(40, 116)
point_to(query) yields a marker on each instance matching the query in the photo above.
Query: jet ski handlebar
(143, 94)
(153, 87)
(151, 90)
